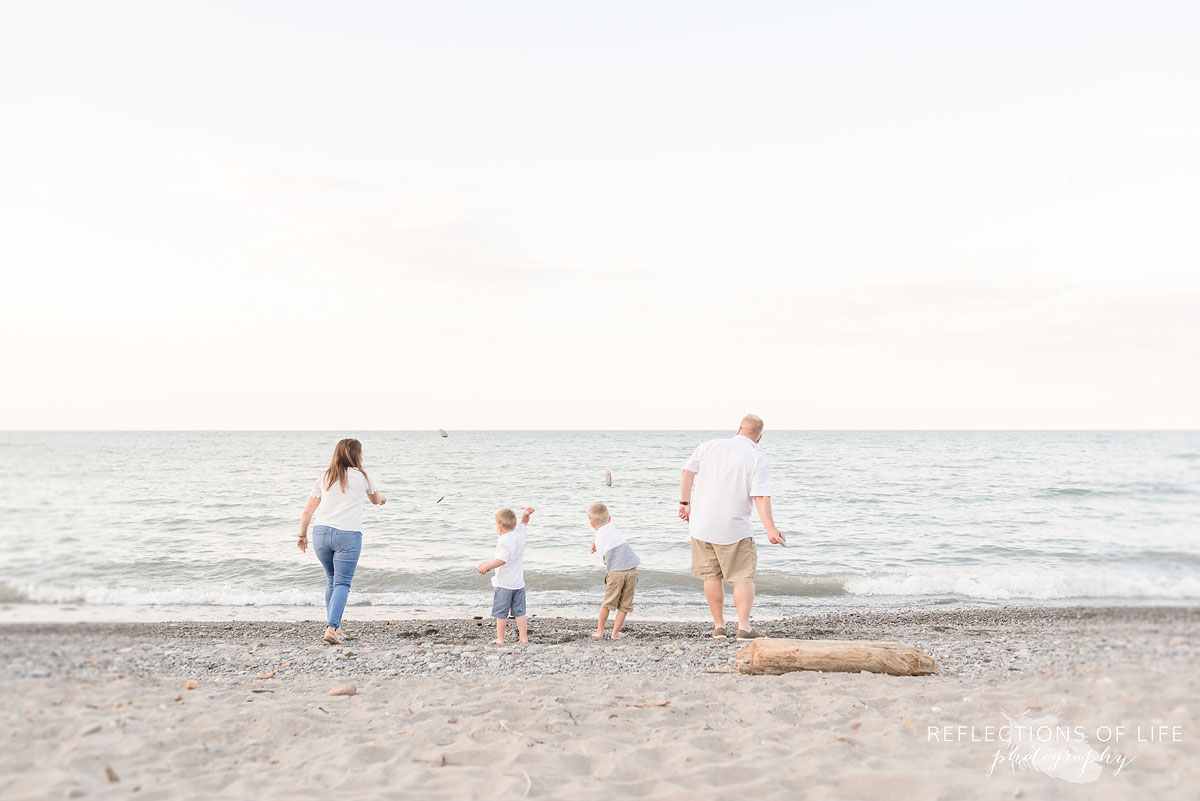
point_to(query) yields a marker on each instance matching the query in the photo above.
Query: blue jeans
(338, 551)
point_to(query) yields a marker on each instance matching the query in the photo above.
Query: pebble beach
(969, 643)
(195, 710)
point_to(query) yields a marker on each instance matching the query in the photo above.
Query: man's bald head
(752, 426)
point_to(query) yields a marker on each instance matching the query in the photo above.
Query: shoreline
(103, 710)
(689, 610)
(965, 642)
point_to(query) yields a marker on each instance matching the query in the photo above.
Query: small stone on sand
(93, 729)
(345, 689)
(191, 685)
(112, 775)
(270, 675)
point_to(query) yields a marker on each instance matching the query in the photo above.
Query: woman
(337, 497)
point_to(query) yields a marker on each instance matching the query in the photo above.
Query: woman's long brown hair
(347, 454)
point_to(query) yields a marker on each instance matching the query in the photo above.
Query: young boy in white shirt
(508, 594)
(621, 575)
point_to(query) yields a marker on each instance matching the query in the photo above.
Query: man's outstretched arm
(685, 494)
(774, 535)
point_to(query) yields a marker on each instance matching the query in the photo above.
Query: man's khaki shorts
(618, 590)
(734, 563)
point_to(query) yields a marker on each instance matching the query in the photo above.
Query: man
(734, 476)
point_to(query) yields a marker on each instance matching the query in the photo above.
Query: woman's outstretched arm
(305, 519)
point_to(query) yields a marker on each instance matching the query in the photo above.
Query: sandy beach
(102, 711)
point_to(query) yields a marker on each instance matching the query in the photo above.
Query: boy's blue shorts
(505, 601)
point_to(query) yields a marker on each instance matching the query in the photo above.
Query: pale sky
(600, 215)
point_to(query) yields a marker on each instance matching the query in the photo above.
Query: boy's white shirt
(607, 538)
(510, 548)
(614, 550)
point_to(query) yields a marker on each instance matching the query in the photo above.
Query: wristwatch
(685, 503)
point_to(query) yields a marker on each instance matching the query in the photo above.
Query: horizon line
(554, 430)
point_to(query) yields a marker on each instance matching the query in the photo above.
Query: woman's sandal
(332, 638)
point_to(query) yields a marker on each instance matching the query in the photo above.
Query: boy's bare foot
(497, 642)
(524, 640)
(597, 635)
(619, 635)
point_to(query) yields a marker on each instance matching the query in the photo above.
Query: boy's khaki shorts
(735, 563)
(618, 590)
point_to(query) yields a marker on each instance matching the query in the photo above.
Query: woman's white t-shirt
(342, 510)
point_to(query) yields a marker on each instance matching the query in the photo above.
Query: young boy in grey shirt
(620, 564)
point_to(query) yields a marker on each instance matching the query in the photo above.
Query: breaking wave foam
(1006, 586)
(1031, 585)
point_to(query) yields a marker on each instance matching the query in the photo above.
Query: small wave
(136, 596)
(171, 575)
(1145, 489)
(925, 587)
(426, 589)
(11, 595)
(1070, 492)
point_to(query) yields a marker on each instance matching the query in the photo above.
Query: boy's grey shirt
(614, 550)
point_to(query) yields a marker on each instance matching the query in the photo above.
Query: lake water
(197, 522)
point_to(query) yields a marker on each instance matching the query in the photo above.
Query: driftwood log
(775, 656)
